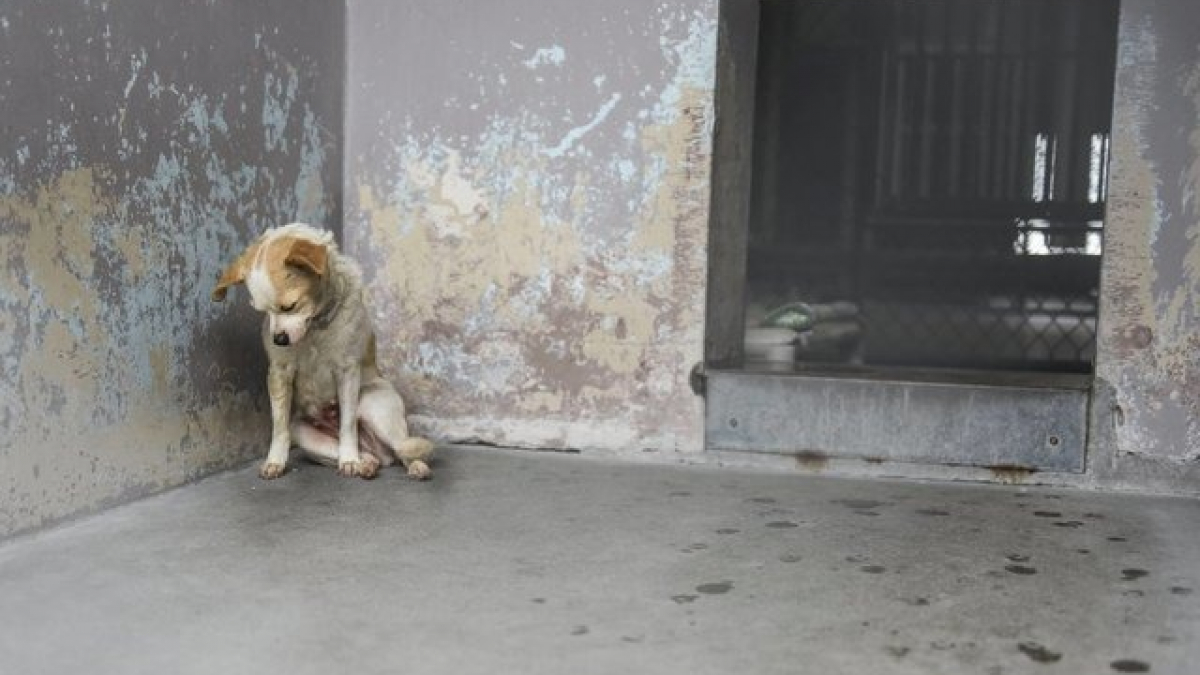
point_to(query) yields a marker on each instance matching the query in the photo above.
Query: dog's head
(283, 270)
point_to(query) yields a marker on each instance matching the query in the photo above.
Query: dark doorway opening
(928, 183)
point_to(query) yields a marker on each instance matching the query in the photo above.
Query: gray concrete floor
(514, 562)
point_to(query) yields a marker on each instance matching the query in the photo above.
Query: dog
(327, 395)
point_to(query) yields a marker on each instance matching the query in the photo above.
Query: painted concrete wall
(1148, 417)
(528, 184)
(143, 142)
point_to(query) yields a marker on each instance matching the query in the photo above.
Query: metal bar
(957, 137)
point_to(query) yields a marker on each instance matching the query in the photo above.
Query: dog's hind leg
(381, 409)
(322, 448)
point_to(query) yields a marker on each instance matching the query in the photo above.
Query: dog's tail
(414, 453)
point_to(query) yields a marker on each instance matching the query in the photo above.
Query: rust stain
(1011, 474)
(811, 460)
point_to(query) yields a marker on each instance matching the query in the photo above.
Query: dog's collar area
(323, 318)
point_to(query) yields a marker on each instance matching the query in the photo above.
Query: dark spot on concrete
(728, 530)
(698, 546)
(580, 630)
(1131, 573)
(1084, 551)
(538, 601)
(781, 524)
(1039, 653)
(761, 500)
(1130, 666)
(1094, 516)
(681, 493)
(814, 460)
(859, 503)
(916, 602)
(942, 645)
(633, 639)
(1020, 569)
(790, 558)
(1069, 523)
(1047, 514)
(898, 652)
(856, 558)
(933, 512)
(867, 513)
(1117, 539)
(716, 588)
(1133, 593)
(1017, 557)
(873, 460)
(683, 599)
(873, 569)
(1166, 639)
(1180, 590)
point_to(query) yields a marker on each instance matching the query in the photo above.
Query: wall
(527, 184)
(1147, 421)
(144, 142)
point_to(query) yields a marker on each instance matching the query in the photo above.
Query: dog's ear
(235, 273)
(307, 255)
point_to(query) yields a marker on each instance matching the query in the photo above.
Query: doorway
(922, 227)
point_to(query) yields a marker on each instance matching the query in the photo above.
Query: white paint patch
(136, 61)
(626, 170)
(457, 190)
(573, 136)
(554, 56)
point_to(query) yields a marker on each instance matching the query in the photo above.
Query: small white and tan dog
(326, 393)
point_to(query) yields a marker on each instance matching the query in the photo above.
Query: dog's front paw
(363, 467)
(418, 470)
(368, 467)
(270, 470)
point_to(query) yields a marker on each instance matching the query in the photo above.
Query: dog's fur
(326, 393)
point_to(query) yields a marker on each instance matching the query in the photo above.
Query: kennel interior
(555, 209)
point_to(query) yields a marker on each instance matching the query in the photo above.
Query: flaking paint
(141, 166)
(534, 226)
(1149, 345)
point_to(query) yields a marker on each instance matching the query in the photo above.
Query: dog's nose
(281, 339)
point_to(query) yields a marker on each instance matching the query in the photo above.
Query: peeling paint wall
(527, 184)
(1147, 423)
(144, 142)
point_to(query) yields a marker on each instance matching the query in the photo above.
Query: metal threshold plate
(954, 422)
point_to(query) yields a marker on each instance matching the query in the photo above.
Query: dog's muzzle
(281, 339)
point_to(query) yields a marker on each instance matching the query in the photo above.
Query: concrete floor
(534, 563)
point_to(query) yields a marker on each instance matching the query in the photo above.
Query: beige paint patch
(57, 252)
(92, 426)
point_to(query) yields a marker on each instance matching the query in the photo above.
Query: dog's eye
(287, 308)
